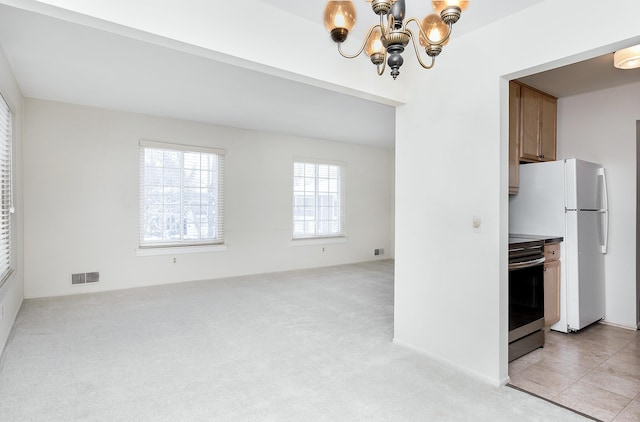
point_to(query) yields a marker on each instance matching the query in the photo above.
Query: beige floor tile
(533, 387)
(625, 386)
(556, 338)
(634, 345)
(523, 363)
(632, 357)
(574, 370)
(595, 371)
(604, 330)
(585, 407)
(573, 344)
(603, 344)
(517, 367)
(547, 378)
(577, 346)
(593, 400)
(620, 366)
(561, 340)
(631, 413)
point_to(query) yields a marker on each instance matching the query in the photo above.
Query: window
(6, 191)
(181, 195)
(318, 200)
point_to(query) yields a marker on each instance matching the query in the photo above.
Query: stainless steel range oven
(526, 296)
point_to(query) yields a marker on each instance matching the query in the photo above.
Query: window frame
(152, 247)
(7, 211)
(305, 236)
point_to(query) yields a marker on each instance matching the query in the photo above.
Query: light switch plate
(476, 224)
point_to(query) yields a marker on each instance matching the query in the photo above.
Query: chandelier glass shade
(385, 41)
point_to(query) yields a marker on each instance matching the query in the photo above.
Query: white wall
(81, 200)
(452, 164)
(11, 293)
(600, 126)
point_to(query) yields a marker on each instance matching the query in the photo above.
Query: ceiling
(478, 13)
(585, 76)
(62, 61)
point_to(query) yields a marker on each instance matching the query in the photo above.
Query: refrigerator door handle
(604, 201)
(605, 229)
(604, 207)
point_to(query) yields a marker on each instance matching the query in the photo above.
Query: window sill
(318, 241)
(176, 250)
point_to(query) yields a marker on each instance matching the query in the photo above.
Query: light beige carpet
(312, 345)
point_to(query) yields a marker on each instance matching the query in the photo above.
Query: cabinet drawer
(552, 252)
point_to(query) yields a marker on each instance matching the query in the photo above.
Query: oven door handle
(521, 265)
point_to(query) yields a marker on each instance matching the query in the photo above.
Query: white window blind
(318, 200)
(181, 195)
(6, 191)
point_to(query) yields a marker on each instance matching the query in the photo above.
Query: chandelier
(384, 43)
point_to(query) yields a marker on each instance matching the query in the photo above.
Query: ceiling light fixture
(629, 58)
(384, 43)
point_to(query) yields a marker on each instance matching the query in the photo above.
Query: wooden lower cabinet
(551, 285)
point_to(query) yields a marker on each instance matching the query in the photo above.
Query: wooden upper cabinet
(537, 125)
(532, 129)
(548, 128)
(530, 108)
(514, 137)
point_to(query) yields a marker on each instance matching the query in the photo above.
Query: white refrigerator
(568, 198)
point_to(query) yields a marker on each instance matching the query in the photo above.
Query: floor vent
(84, 278)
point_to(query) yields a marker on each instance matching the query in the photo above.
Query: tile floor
(595, 371)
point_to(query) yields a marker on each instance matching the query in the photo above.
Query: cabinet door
(530, 124)
(551, 293)
(514, 133)
(548, 122)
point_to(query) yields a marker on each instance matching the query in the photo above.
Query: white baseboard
(492, 381)
(611, 324)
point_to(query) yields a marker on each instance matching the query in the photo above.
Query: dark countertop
(520, 238)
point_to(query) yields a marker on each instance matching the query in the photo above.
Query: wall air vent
(79, 278)
(93, 277)
(84, 278)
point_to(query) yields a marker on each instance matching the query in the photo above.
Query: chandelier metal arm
(384, 64)
(352, 56)
(391, 21)
(415, 47)
(424, 34)
(386, 41)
